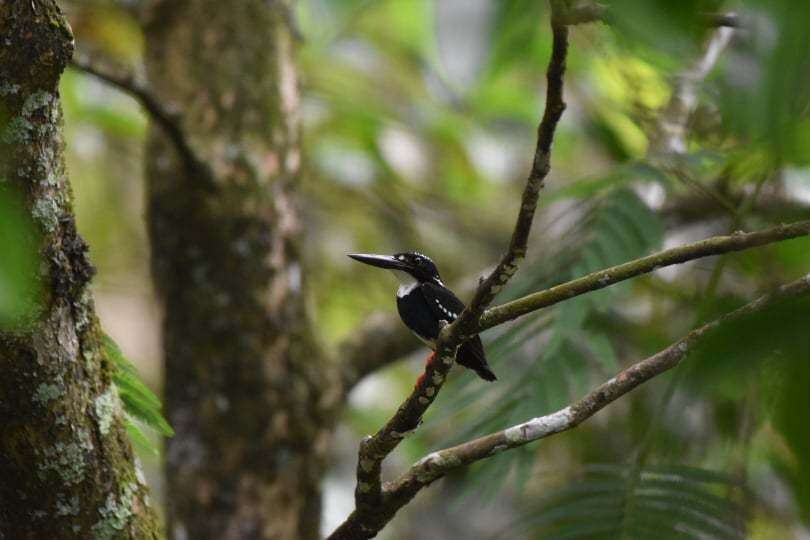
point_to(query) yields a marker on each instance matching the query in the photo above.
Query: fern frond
(139, 402)
(623, 501)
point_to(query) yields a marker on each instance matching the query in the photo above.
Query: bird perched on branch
(425, 304)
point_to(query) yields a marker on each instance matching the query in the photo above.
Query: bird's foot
(431, 357)
(428, 363)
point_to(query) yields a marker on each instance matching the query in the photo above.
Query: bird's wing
(418, 315)
(444, 304)
(447, 306)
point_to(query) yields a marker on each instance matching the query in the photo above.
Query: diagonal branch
(715, 245)
(169, 121)
(437, 464)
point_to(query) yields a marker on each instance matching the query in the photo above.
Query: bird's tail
(485, 373)
(471, 356)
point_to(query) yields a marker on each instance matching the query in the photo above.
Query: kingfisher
(425, 304)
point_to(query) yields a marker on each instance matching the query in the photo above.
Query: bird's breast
(406, 288)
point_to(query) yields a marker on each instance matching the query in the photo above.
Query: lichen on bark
(62, 457)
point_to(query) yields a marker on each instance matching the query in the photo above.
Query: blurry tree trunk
(247, 391)
(66, 466)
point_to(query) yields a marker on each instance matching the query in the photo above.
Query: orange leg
(431, 357)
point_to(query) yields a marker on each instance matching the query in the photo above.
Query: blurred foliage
(614, 501)
(419, 124)
(20, 287)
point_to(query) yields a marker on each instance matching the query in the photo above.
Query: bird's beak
(380, 261)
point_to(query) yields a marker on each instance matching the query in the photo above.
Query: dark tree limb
(434, 466)
(170, 121)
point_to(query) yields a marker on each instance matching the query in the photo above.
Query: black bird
(423, 302)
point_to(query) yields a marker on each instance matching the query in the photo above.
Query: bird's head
(414, 265)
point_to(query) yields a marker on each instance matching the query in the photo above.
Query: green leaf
(139, 438)
(603, 352)
(138, 400)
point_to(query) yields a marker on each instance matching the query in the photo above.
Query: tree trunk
(248, 392)
(66, 464)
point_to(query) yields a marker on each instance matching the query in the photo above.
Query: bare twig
(437, 464)
(169, 121)
(715, 245)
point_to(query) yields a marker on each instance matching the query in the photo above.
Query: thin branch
(715, 245)
(169, 121)
(555, 105)
(437, 464)
(374, 449)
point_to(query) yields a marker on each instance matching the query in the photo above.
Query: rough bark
(66, 464)
(248, 393)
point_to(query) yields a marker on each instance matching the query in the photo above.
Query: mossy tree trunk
(66, 466)
(247, 392)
